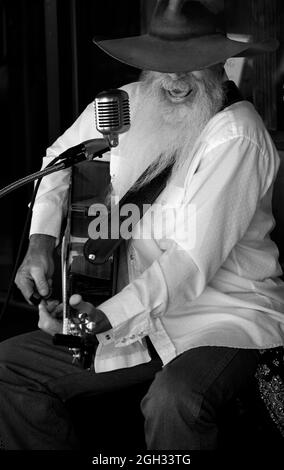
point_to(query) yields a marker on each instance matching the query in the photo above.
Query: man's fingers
(26, 286)
(95, 315)
(54, 308)
(75, 300)
(46, 322)
(51, 305)
(40, 281)
(78, 303)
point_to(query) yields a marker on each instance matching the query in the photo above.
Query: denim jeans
(181, 407)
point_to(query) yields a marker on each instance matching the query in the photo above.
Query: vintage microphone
(112, 114)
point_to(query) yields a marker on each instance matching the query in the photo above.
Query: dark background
(50, 70)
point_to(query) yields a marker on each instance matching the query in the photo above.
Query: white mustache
(183, 82)
(182, 85)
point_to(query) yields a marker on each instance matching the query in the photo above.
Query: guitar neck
(95, 283)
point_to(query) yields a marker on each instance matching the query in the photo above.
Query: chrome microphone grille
(112, 112)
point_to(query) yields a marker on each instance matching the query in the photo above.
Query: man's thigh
(215, 374)
(33, 360)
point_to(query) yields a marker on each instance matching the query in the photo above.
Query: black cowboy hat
(184, 36)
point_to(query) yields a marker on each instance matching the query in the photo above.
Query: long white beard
(163, 132)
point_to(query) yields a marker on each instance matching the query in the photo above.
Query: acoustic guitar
(94, 282)
(90, 264)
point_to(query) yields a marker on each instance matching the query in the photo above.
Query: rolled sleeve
(132, 311)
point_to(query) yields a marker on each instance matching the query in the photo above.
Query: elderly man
(195, 311)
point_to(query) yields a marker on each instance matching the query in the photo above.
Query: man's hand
(94, 314)
(35, 273)
(50, 316)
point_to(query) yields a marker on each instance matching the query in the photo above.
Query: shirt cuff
(132, 311)
(125, 330)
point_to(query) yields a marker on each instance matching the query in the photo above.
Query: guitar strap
(98, 251)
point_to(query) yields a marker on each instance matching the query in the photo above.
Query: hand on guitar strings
(94, 315)
(50, 315)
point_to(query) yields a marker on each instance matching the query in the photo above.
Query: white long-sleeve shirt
(218, 286)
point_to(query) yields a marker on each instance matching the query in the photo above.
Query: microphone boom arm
(88, 150)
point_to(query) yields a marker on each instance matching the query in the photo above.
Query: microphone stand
(88, 150)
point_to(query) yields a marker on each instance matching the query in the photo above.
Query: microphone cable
(21, 244)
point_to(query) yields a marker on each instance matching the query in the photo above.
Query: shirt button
(108, 337)
(123, 340)
(132, 336)
(132, 257)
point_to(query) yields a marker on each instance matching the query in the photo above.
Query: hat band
(184, 36)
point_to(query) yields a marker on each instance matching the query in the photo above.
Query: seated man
(206, 295)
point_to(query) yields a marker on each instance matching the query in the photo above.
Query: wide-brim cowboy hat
(184, 36)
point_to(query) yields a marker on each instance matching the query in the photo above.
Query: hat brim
(148, 52)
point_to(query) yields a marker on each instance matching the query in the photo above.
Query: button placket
(132, 264)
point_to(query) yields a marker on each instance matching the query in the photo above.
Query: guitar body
(95, 283)
(90, 266)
